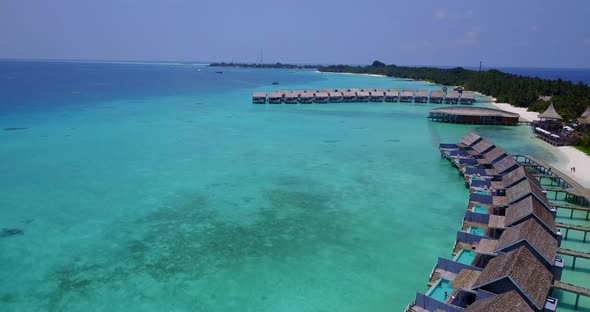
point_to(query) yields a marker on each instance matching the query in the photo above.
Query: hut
(421, 96)
(436, 96)
(392, 95)
(292, 98)
(362, 96)
(355, 90)
(275, 98)
(378, 95)
(327, 90)
(467, 97)
(335, 96)
(516, 176)
(349, 96)
(452, 97)
(473, 115)
(530, 208)
(283, 93)
(584, 120)
(321, 97)
(508, 301)
(407, 95)
(525, 189)
(532, 235)
(517, 270)
(550, 114)
(306, 97)
(259, 98)
(369, 90)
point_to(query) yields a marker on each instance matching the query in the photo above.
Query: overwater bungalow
(524, 189)
(335, 96)
(473, 115)
(259, 98)
(392, 95)
(283, 93)
(327, 90)
(321, 97)
(452, 97)
(356, 91)
(407, 96)
(378, 95)
(362, 96)
(306, 97)
(436, 96)
(349, 96)
(341, 90)
(467, 97)
(292, 98)
(275, 98)
(465, 142)
(421, 96)
(508, 301)
(369, 90)
(518, 270)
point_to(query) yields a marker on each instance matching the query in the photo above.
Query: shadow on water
(185, 240)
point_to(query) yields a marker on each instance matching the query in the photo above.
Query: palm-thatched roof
(505, 164)
(527, 207)
(523, 270)
(465, 279)
(470, 138)
(550, 113)
(585, 118)
(508, 301)
(532, 233)
(494, 154)
(482, 146)
(522, 190)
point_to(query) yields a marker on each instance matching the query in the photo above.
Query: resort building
(436, 96)
(473, 115)
(275, 98)
(421, 96)
(392, 95)
(368, 90)
(508, 301)
(467, 97)
(259, 98)
(321, 97)
(407, 96)
(452, 97)
(335, 96)
(306, 97)
(584, 120)
(292, 98)
(349, 96)
(362, 96)
(378, 95)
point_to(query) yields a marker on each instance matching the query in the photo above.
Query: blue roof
(481, 183)
(472, 170)
(486, 199)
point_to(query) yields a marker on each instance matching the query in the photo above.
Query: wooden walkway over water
(573, 253)
(574, 227)
(577, 290)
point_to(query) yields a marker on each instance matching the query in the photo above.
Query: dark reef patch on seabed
(185, 240)
(11, 232)
(14, 128)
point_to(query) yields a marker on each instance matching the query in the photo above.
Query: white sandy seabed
(569, 157)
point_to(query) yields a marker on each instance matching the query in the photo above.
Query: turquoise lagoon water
(441, 290)
(159, 187)
(465, 256)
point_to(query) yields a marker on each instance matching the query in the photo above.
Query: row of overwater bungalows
(505, 255)
(364, 95)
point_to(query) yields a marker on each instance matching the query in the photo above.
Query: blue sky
(500, 33)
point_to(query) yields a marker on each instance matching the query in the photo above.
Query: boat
(274, 83)
(219, 72)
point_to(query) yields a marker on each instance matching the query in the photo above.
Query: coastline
(568, 156)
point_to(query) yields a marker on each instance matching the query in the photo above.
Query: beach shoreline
(568, 156)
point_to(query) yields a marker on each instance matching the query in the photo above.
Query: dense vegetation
(570, 99)
(252, 65)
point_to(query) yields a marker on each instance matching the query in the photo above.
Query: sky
(503, 33)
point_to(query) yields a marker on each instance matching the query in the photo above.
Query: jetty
(364, 95)
(508, 250)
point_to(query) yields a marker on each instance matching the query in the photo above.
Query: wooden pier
(577, 290)
(573, 253)
(573, 227)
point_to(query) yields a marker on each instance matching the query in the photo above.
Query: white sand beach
(569, 156)
(522, 111)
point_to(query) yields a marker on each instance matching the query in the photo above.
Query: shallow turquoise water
(441, 290)
(205, 202)
(476, 230)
